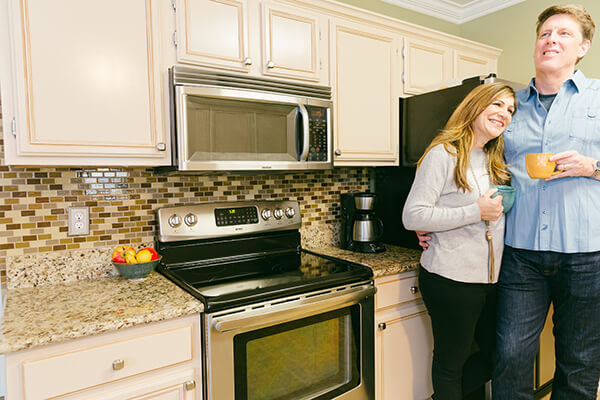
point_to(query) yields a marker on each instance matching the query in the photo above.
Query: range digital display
(236, 216)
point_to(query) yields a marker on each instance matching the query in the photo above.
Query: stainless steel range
(280, 322)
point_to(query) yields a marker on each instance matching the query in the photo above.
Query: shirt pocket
(513, 139)
(585, 127)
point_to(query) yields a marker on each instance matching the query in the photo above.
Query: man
(552, 252)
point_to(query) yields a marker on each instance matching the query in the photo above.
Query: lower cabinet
(156, 361)
(403, 340)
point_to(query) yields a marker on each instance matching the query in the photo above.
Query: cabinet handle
(414, 289)
(161, 146)
(337, 152)
(248, 61)
(118, 364)
(382, 326)
(270, 64)
(190, 385)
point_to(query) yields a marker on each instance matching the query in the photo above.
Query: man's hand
(571, 163)
(423, 239)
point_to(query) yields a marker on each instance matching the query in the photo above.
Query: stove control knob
(290, 212)
(190, 219)
(174, 221)
(278, 213)
(266, 214)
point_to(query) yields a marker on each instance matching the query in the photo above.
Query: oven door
(315, 346)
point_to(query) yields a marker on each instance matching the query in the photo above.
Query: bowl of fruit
(135, 265)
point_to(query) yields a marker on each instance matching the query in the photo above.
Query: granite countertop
(394, 260)
(54, 313)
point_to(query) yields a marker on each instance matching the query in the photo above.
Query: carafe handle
(380, 232)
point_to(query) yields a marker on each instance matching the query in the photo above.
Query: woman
(451, 198)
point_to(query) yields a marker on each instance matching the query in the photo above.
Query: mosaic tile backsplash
(35, 248)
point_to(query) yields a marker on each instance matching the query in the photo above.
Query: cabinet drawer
(69, 372)
(396, 291)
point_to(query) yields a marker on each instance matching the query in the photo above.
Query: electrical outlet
(79, 221)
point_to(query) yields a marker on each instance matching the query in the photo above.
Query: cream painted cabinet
(403, 340)
(366, 83)
(259, 38)
(469, 63)
(155, 361)
(425, 64)
(83, 82)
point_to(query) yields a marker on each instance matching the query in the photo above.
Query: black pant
(463, 323)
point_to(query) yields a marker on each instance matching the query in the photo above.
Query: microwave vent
(197, 77)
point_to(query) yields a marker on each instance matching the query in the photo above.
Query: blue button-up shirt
(562, 215)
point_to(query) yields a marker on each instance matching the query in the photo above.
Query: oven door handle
(288, 311)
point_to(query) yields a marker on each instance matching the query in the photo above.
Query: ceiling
(455, 11)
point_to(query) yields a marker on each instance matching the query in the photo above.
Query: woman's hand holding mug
(491, 209)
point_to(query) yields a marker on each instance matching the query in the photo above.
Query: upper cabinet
(425, 63)
(366, 82)
(470, 63)
(259, 38)
(82, 83)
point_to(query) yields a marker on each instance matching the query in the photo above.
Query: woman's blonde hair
(458, 138)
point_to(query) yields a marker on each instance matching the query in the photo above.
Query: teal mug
(508, 195)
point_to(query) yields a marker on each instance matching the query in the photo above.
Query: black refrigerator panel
(392, 185)
(423, 116)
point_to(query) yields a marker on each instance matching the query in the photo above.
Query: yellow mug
(539, 167)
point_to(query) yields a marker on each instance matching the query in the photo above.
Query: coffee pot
(361, 228)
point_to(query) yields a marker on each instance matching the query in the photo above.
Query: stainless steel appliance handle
(293, 310)
(305, 132)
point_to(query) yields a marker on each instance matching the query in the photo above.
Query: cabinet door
(366, 83)
(425, 64)
(467, 64)
(213, 33)
(404, 347)
(86, 82)
(294, 45)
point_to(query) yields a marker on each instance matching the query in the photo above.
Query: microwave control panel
(317, 117)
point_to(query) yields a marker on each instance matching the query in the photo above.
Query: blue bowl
(136, 270)
(508, 195)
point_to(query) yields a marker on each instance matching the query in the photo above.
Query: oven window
(311, 358)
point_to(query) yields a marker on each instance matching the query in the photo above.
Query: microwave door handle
(305, 132)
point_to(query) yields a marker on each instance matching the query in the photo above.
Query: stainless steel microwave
(225, 122)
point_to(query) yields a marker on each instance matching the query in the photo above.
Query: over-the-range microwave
(234, 123)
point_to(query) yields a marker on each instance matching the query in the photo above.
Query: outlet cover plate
(79, 221)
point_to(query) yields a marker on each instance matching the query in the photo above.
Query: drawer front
(69, 372)
(397, 291)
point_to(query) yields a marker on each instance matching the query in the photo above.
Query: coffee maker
(361, 228)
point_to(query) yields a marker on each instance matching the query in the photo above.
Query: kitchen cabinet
(257, 38)
(83, 82)
(425, 64)
(366, 84)
(403, 340)
(160, 360)
(470, 63)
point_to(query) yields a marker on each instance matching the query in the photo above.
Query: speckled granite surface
(54, 313)
(392, 261)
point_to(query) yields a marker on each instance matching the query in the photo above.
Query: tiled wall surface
(34, 201)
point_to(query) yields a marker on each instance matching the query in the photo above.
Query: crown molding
(452, 11)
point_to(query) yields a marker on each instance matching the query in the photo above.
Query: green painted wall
(513, 30)
(404, 14)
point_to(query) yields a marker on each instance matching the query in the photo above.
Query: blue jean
(529, 281)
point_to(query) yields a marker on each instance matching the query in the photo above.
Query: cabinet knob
(414, 289)
(118, 364)
(382, 326)
(190, 385)
(161, 146)
(248, 61)
(337, 152)
(270, 64)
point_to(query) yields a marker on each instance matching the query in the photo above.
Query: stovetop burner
(255, 261)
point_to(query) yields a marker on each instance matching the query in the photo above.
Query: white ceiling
(455, 11)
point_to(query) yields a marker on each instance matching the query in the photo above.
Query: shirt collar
(577, 80)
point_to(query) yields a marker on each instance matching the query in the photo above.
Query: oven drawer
(397, 289)
(80, 369)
